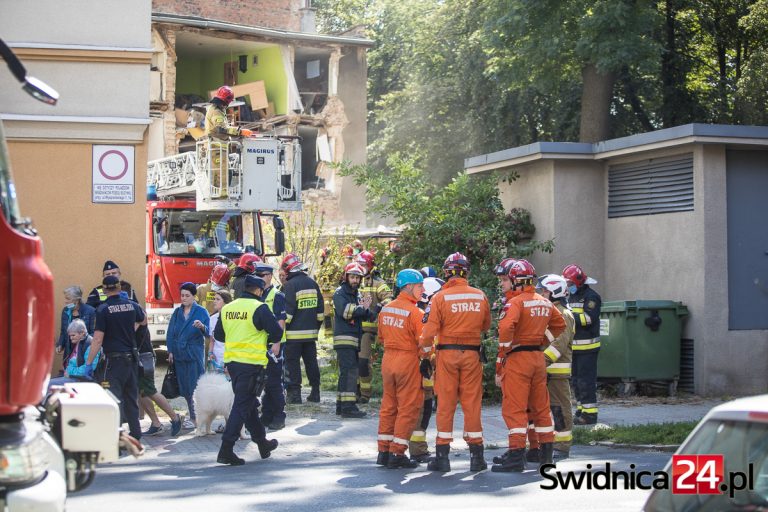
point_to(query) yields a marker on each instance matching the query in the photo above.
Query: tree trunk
(596, 98)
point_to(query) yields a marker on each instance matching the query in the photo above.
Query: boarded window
(659, 185)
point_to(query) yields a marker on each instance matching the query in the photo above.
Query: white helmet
(555, 284)
(431, 286)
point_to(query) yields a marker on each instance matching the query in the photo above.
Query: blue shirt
(117, 319)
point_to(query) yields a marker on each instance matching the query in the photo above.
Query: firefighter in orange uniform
(458, 317)
(400, 327)
(520, 367)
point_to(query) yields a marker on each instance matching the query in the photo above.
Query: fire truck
(210, 203)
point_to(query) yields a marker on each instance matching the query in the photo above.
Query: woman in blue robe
(187, 332)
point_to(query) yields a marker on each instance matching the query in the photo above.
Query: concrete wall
(280, 14)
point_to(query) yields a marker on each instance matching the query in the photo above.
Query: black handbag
(171, 383)
(147, 364)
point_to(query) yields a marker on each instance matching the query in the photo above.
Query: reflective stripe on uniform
(342, 340)
(552, 353)
(400, 440)
(473, 435)
(463, 296)
(386, 437)
(349, 311)
(521, 431)
(506, 344)
(396, 311)
(305, 334)
(346, 396)
(589, 408)
(364, 385)
(559, 368)
(587, 344)
(563, 436)
(288, 318)
(544, 430)
(419, 436)
(445, 435)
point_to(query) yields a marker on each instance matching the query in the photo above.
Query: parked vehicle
(737, 430)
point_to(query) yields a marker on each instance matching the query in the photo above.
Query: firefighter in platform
(305, 312)
(400, 328)
(520, 366)
(376, 288)
(246, 327)
(217, 127)
(459, 314)
(558, 359)
(418, 447)
(98, 295)
(585, 304)
(219, 280)
(350, 310)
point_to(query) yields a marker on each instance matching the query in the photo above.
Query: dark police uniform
(585, 305)
(273, 401)
(246, 326)
(117, 318)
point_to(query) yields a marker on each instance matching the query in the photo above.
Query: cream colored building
(97, 55)
(676, 214)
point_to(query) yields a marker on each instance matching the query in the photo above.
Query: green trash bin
(640, 340)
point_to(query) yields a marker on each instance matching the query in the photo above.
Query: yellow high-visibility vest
(244, 343)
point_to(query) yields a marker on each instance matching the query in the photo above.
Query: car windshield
(743, 444)
(190, 233)
(9, 207)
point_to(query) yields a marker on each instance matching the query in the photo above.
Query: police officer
(116, 322)
(97, 296)
(585, 304)
(246, 326)
(273, 400)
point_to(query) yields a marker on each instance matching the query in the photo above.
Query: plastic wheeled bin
(640, 341)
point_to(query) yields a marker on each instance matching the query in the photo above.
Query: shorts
(147, 386)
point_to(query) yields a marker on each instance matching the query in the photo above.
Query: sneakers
(152, 431)
(188, 424)
(176, 426)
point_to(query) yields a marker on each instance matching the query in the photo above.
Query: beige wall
(53, 182)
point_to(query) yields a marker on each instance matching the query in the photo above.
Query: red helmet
(248, 262)
(575, 274)
(291, 263)
(502, 269)
(225, 94)
(354, 269)
(456, 265)
(221, 274)
(366, 259)
(521, 270)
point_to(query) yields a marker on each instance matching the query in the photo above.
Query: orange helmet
(220, 274)
(291, 263)
(225, 94)
(248, 262)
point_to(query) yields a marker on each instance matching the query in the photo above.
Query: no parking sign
(113, 174)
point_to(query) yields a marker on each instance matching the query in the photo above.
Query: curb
(640, 447)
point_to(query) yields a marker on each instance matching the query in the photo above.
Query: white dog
(213, 397)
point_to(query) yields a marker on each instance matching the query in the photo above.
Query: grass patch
(654, 433)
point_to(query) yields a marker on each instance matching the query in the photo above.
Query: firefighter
(520, 367)
(246, 327)
(245, 266)
(459, 314)
(558, 359)
(418, 445)
(585, 304)
(400, 328)
(376, 288)
(98, 296)
(219, 280)
(305, 312)
(350, 310)
(273, 400)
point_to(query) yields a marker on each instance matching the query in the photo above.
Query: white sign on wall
(113, 174)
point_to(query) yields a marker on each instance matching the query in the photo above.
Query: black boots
(227, 455)
(338, 408)
(513, 460)
(440, 462)
(293, 396)
(314, 395)
(476, 459)
(421, 457)
(400, 461)
(353, 413)
(266, 447)
(533, 456)
(545, 454)
(382, 459)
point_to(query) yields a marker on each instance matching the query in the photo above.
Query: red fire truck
(211, 202)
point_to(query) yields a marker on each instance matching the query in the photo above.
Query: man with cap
(273, 400)
(97, 296)
(246, 327)
(116, 322)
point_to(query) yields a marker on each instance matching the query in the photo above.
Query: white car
(737, 430)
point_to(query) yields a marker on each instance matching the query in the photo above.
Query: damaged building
(289, 79)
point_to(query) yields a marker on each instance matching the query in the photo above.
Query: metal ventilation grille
(659, 185)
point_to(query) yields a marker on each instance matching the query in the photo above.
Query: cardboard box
(254, 91)
(182, 117)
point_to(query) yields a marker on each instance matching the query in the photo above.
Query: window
(659, 185)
